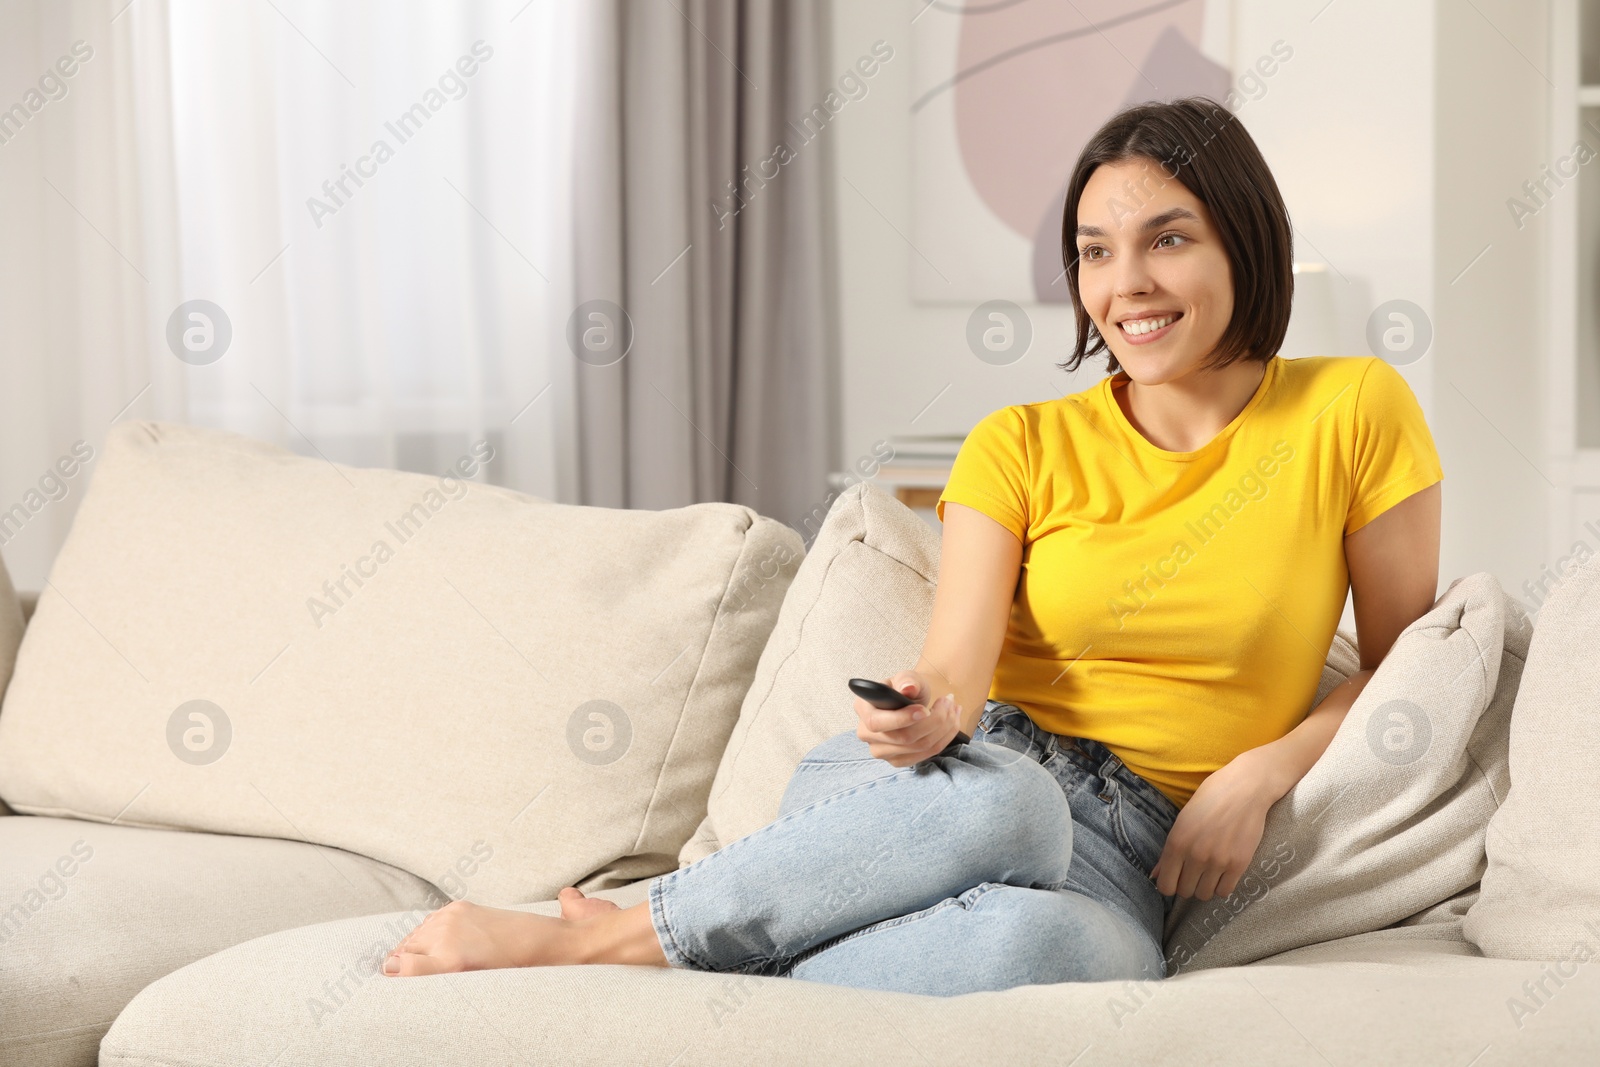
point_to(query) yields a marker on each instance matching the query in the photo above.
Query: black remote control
(888, 698)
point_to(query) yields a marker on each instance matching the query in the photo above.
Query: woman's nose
(1132, 277)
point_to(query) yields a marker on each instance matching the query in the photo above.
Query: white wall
(1345, 126)
(896, 356)
(1490, 137)
(1352, 127)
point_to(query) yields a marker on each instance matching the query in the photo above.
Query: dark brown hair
(1203, 145)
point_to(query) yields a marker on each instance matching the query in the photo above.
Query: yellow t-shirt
(1178, 606)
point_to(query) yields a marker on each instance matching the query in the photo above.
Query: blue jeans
(1022, 858)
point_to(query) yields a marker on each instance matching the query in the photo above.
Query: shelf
(1589, 96)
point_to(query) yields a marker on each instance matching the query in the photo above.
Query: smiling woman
(1114, 763)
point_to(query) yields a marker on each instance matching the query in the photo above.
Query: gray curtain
(702, 210)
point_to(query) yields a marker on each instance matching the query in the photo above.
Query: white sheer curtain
(176, 163)
(394, 320)
(426, 310)
(376, 195)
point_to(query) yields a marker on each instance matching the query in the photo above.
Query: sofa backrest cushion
(1540, 898)
(1390, 819)
(477, 686)
(859, 607)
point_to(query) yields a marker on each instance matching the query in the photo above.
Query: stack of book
(916, 472)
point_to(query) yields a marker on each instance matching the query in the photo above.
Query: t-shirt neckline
(1109, 399)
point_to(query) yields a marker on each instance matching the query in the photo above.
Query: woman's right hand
(897, 735)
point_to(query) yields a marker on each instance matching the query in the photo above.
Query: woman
(1143, 579)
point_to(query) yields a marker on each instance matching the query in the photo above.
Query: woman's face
(1152, 271)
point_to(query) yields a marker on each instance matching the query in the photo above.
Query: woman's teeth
(1138, 326)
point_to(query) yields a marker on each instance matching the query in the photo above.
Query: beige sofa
(268, 712)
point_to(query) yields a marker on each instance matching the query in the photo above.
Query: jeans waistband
(1089, 754)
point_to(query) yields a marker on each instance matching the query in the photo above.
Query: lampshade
(1312, 328)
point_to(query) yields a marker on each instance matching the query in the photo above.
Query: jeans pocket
(1140, 837)
(1001, 728)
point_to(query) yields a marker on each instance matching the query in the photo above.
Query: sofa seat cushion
(1390, 997)
(396, 664)
(93, 913)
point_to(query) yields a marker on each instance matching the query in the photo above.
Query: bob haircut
(1201, 144)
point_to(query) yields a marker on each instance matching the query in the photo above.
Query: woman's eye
(1090, 253)
(1169, 237)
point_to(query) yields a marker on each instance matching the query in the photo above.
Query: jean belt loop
(1108, 772)
(988, 715)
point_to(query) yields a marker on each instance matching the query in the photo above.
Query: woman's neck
(1186, 413)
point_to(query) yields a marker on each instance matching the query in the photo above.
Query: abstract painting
(1005, 93)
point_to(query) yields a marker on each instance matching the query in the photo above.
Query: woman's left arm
(1394, 579)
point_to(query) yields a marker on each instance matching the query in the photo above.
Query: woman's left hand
(1216, 833)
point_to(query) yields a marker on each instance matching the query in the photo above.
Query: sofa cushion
(1390, 998)
(1390, 820)
(238, 639)
(1541, 891)
(859, 606)
(93, 913)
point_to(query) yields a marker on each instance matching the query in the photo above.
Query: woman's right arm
(979, 564)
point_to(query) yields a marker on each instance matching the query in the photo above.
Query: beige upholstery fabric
(1541, 892)
(1390, 821)
(516, 693)
(93, 913)
(1394, 998)
(10, 626)
(860, 606)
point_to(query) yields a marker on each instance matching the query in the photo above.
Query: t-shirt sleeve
(991, 471)
(1394, 454)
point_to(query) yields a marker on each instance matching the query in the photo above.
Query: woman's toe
(574, 905)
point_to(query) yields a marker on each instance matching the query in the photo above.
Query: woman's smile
(1144, 329)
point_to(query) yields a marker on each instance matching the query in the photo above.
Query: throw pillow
(485, 689)
(1390, 820)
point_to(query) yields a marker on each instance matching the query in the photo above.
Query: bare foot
(574, 905)
(462, 936)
